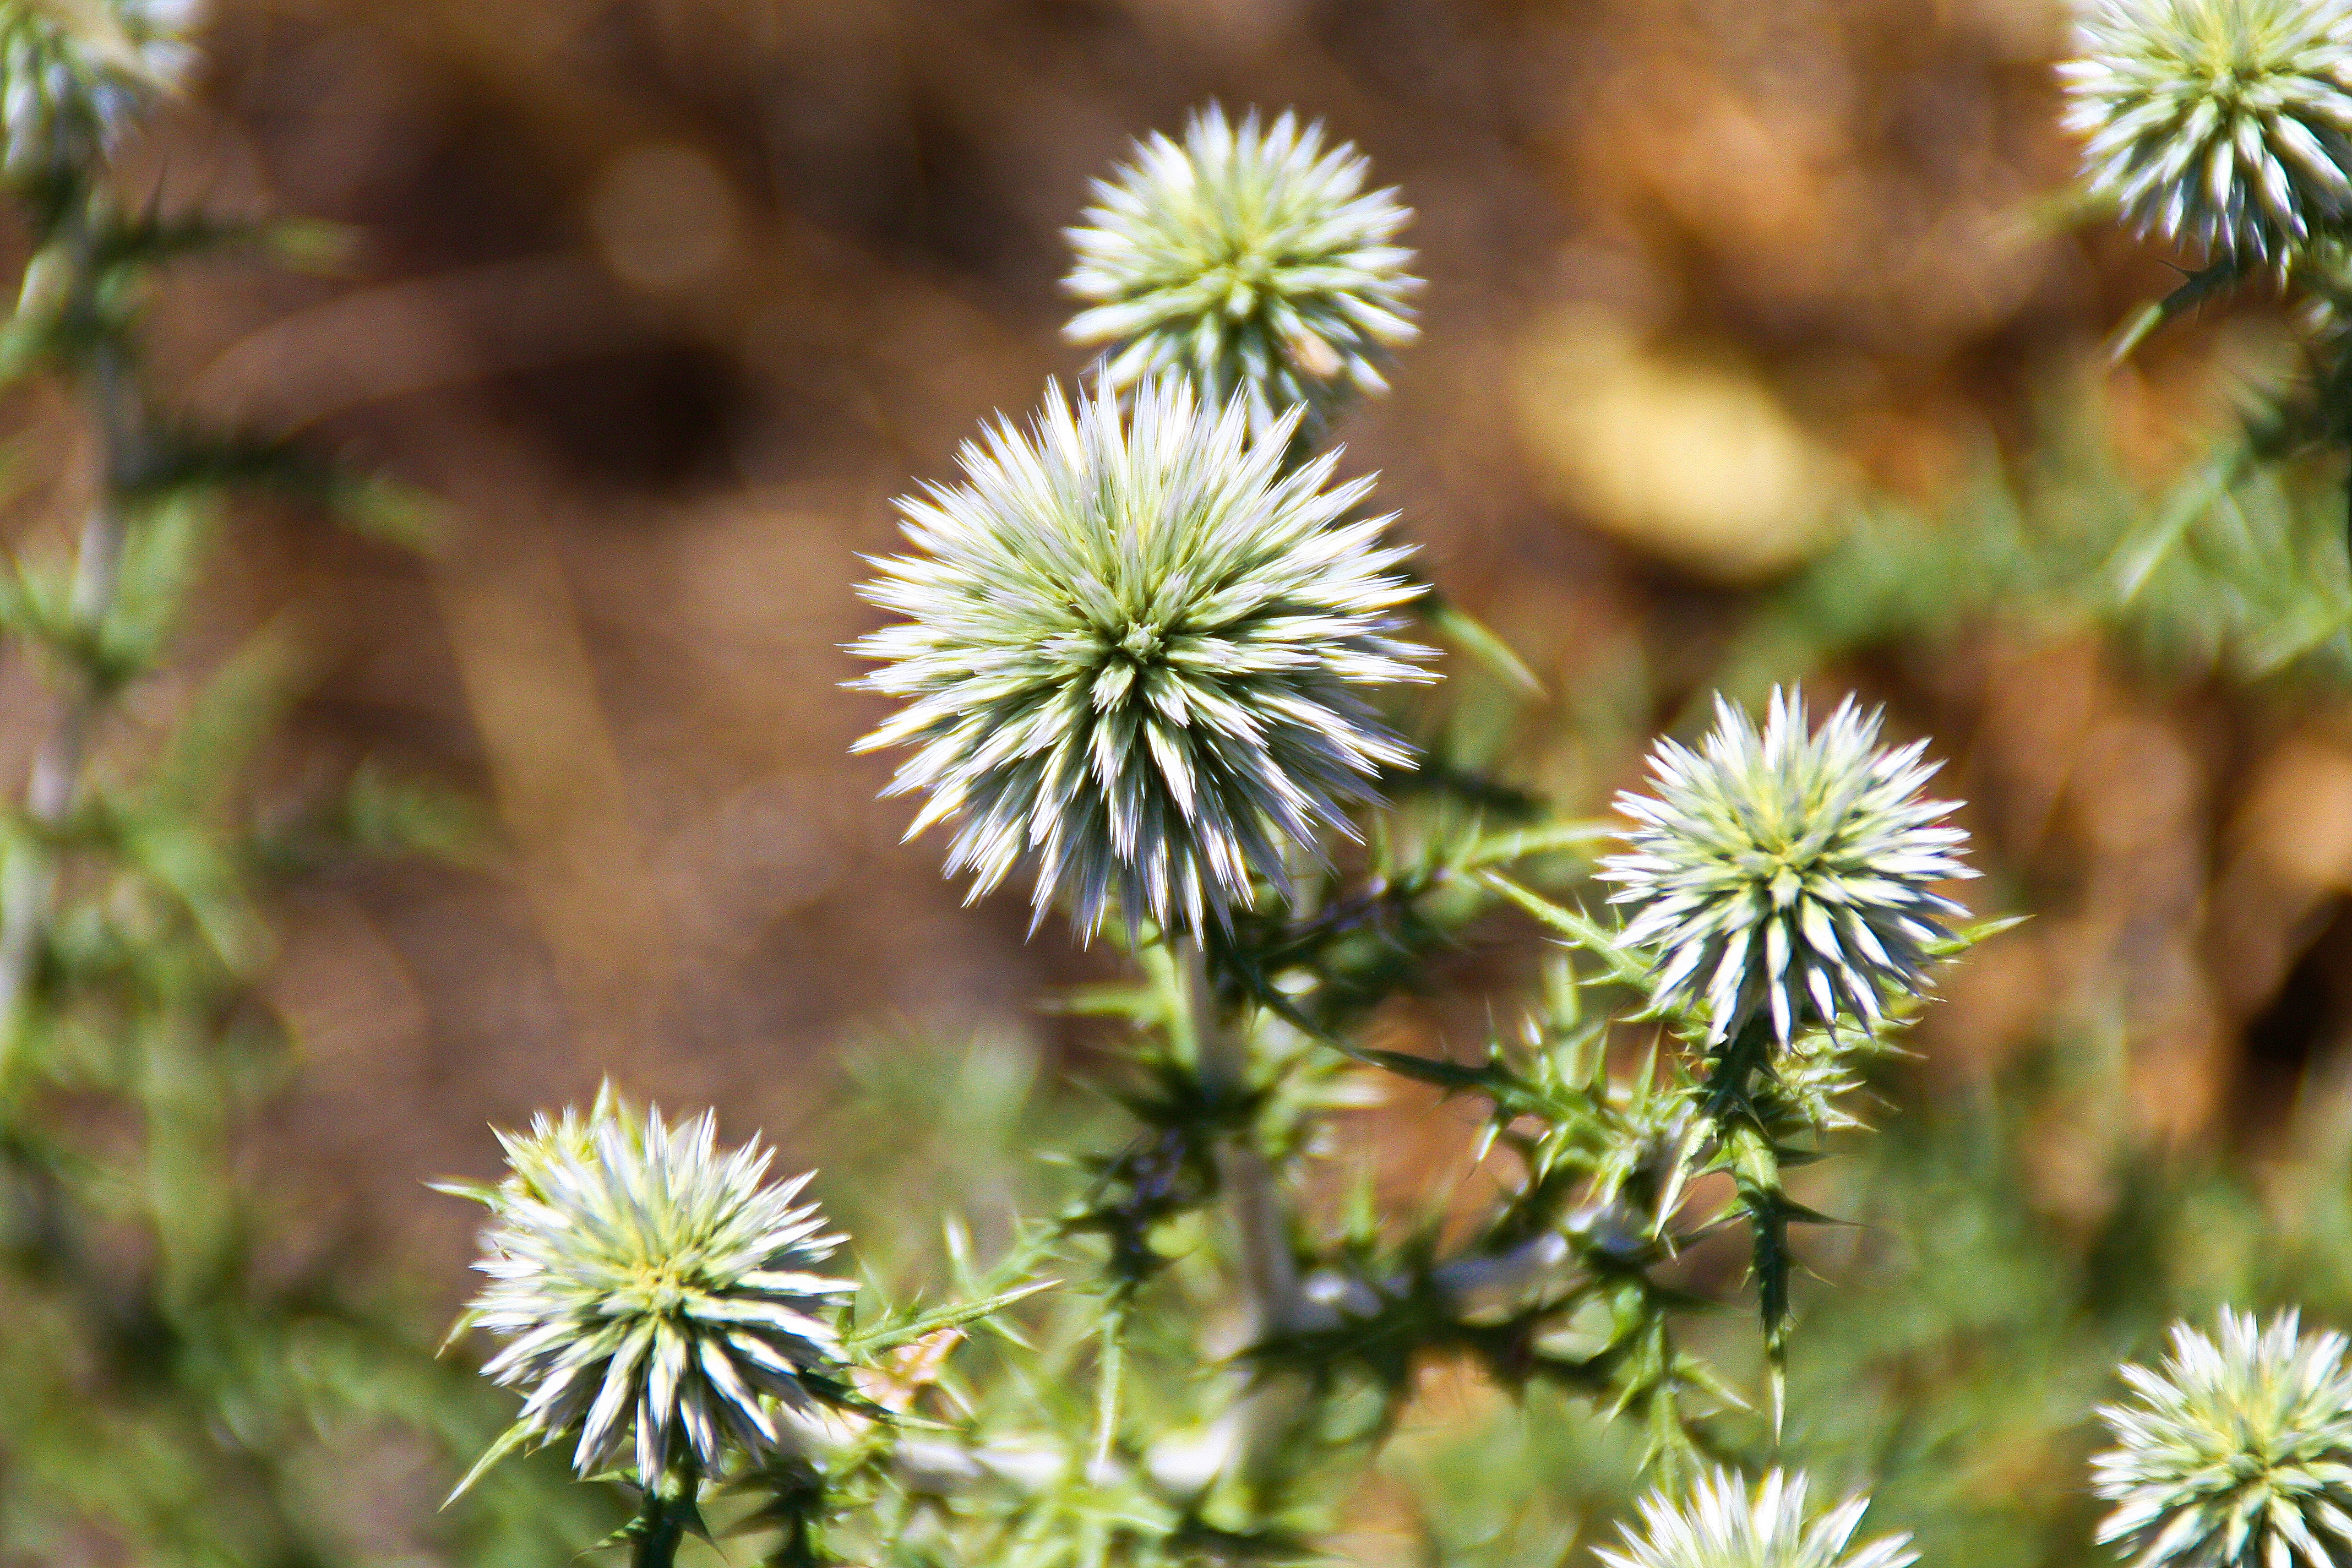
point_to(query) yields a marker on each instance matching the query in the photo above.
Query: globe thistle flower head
(75, 72)
(1725, 1523)
(2224, 122)
(1786, 870)
(1250, 258)
(2237, 1453)
(657, 1292)
(1132, 652)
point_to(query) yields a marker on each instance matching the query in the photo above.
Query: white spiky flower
(1726, 1524)
(1132, 655)
(2225, 122)
(2237, 1454)
(1250, 258)
(1786, 870)
(73, 72)
(658, 1293)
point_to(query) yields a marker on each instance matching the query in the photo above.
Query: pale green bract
(2237, 1453)
(72, 72)
(2227, 123)
(1131, 656)
(656, 1293)
(1249, 258)
(1725, 1523)
(1786, 870)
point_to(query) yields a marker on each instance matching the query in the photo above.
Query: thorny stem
(29, 886)
(1266, 1413)
(660, 1526)
(1222, 1052)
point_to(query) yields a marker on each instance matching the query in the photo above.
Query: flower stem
(1269, 1272)
(659, 1527)
(28, 885)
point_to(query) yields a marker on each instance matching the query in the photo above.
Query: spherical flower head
(1723, 1523)
(2237, 1453)
(1786, 870)
(2226, 123)
(657, 1292)
(1249, 258)
(75, 72)
(1132, 654)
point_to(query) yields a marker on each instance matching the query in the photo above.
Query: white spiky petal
(2237, 1453)
(1723, 1523)
(73, 72)
(1786, 870)
(2226, 123)
(1132, 652)
(1250, 260)
(657, 1292)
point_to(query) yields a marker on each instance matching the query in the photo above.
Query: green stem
(1220, 1052)
(660, 1526)
(28, 887)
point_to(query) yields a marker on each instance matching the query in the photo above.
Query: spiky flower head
(1725, 1523)
(658, 1294)
(2237, 1453)
(1250, 258)
(1786, 870)
(1132, 652)
(2226, 123)
(73, 72)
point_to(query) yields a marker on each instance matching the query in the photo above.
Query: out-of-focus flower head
(1786, 870)
(1724, 1524)
(75, 72)
(2237, 1452)
(1250, 258)
(2224, 122)
(1132, 653)
(656, 1293)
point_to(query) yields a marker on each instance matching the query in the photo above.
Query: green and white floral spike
(1133, 654)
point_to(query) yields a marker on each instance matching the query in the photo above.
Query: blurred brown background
(666, 299)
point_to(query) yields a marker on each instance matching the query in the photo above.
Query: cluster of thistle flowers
(1135, 645)
(1133, 655)
(1135, 635)
(2236, 1452)
(1133, 638)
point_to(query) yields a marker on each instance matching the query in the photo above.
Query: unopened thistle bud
(74, 72)
(658, 1294)
(1786, 870)
(1723, 1523)
(2224, 122)
(1132, 656)
(2237, 1453)
(1250, 259)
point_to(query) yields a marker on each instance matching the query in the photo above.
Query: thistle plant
(1250, 260)
(164, 1392)
(2227, 123)
(1133, 648)
(1132, 655)
(1725, 1522)
(1786, 871)
(657, 1295)
(2236, 1453)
